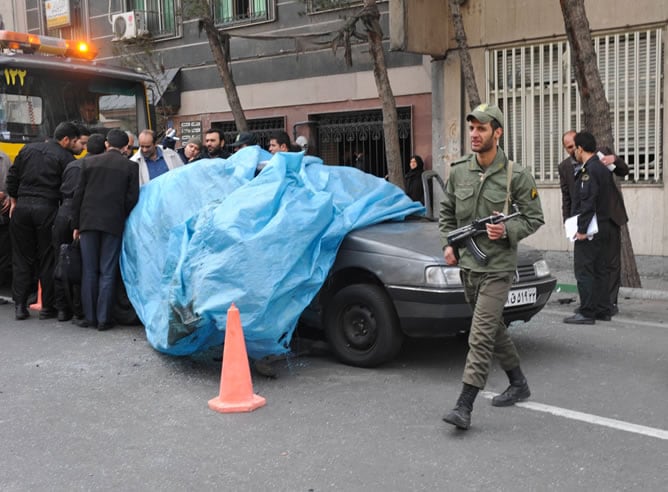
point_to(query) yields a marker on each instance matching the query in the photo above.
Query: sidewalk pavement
(653, 271)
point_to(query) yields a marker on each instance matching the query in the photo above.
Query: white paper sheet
(571, 227)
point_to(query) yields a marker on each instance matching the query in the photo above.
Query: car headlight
(541, 268)
(440, 276)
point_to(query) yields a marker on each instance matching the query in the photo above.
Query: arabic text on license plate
(521, 296)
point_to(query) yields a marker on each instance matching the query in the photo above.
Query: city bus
(46, 80)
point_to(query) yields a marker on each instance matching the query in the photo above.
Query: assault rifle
(464, 236)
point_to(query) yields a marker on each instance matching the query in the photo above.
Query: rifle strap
(509, 174)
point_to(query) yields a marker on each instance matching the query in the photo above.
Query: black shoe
(604, 317)
(85, 323)
(460, 416)
(48, 314)
(3, 301)
(578, 319)
(105, 326)
(514, 393)
(21, 311)
(614, 310)
(64, 316)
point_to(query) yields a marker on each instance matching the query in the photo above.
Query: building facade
(522, 62)
(287, 75)
(289, 78)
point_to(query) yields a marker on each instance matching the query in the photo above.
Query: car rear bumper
(427, 312)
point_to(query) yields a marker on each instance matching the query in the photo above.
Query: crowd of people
(48, 198)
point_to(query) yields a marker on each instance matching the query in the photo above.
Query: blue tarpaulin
(209, 234)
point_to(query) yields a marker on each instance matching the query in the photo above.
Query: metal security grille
(262, 128)
(356, 139)
(535, 87)
(160, 15)
(242, 11)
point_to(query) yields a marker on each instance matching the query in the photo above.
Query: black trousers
(32, 249)
(591, 272)
(614, 262)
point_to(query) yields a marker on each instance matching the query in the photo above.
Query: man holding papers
(591, 198)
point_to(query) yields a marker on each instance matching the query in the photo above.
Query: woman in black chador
(413, 179)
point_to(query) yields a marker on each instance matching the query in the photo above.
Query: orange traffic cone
(236, 387)
(38, 305)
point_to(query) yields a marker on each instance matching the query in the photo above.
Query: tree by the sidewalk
(595, 107)
(369, 16)
(219, 42)
(464, 55)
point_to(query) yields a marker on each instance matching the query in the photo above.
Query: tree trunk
(464, 55)
(596, 109)
(220, 48)
(390, 120)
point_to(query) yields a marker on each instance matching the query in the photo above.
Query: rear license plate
(520, 297)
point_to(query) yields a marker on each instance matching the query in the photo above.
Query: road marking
(615, 320)
(587, 417)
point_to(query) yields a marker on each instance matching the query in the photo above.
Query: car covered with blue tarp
(217, 232)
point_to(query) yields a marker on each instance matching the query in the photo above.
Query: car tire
(362, 327)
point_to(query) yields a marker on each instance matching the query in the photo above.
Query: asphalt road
(85, 410)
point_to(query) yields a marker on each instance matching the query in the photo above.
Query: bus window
(32, 109)
(20, 114)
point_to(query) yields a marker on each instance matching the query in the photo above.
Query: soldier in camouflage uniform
(479, 186)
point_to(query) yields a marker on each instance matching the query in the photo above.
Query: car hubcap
(359, 327)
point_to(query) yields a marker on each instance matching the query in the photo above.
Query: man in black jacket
(591, 198)
(68, 297)
(568, 168)
(33, 185)
(107, 192)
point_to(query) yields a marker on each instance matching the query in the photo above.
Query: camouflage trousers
(487, 292)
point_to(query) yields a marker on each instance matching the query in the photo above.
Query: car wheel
(361, 326)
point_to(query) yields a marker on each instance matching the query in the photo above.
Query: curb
(626, 292)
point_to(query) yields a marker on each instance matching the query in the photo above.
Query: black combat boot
(460, 416)
(517, 391)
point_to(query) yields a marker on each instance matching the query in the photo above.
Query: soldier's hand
(495, 231)
(449, 254)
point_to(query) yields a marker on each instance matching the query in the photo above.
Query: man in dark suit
(593, 186)
(107, 192)
(568, 168)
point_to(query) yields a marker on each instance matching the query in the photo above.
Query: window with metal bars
(535, 87)
(261, 128)
(242, 11)
(356, 139)
(159, 16)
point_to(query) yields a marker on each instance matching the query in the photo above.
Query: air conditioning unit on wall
(128, 25)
